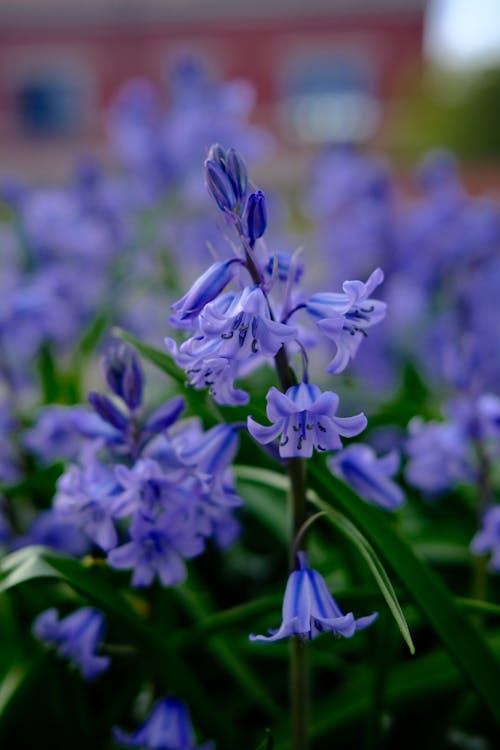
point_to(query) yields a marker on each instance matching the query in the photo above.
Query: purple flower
(309, 609)
(168, 727)
(55, 434)
(359, 466)
(487, 539)
(76, 637)
(83, 497)
(235, 331)
(306, 419)
(158, 548)
(205, 289)
(346, 316)
(255, 216)
(124, 375)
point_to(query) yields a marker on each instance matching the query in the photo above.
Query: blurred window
(50, 102)
(330, 98)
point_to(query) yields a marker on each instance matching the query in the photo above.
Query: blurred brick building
(321, 68)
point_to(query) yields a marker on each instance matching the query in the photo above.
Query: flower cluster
(234, 332)
(147, 491)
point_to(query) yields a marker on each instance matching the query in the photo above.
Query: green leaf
(373, 562)
(464, 642)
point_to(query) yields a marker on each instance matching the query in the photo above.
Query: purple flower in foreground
(370, 476)
(235, 332)
(205, 289)
(487, 539)
(346, 316)
(309, 609)
(306, 419)
(168, 727)
(76, 637)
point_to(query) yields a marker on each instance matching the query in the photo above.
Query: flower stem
(299, 668)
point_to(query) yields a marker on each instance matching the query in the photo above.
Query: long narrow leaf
(464, 642)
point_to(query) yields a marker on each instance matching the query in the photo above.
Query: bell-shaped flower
(344, 317)
(205, 289)
(235, 332)
(242, 326)
(306, 420)
(370, 476)
(168, 727)
(76, 637)
(309, 609)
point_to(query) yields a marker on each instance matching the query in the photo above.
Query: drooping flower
(235, 331)
(344, 317)
(487, 539)
(370, 476)
(168, 727)
(309, 609)
(306, 420)
(76, 637)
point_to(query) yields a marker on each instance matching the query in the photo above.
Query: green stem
(299, 667)
(299, 694)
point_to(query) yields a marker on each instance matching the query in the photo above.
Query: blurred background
(402, 75)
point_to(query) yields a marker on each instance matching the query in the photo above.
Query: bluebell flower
(235, 331)
(370, 476)
(168, 727)
(55, 435)
(205, 289)
(487, 539)
(107, 410)
(305, 417)
(220, 186)
(76, 637)
(57, 531)
(124, 374)
(344, 317)
(83, 496)
(309, 609)
(158, 547)
(255, 216)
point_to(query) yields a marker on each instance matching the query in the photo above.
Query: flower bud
(108, 411)
(256, 216)
(220, 186)
(124, 375)
(237, 172)
(206, 288)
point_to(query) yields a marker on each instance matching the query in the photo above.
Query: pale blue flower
(305, 417)
(344, 317)
(309, 609)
